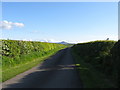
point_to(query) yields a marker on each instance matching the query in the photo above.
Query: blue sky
(61, 21)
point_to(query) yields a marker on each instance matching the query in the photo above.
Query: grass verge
(13, 71)
(91, 78)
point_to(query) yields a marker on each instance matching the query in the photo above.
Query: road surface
(56, 72)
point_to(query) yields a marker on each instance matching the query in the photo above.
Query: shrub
(15, 52)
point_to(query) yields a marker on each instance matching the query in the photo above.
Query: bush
(115, 51)
(15, 52)
(98, 54)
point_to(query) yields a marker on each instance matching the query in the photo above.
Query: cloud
(9, 25)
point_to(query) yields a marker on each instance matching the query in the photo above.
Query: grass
(13, 71)
(90, 77)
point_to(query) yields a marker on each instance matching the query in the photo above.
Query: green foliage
(90, 77)
(102, 55)
(18, 52)
(10, 72)
(115, 52)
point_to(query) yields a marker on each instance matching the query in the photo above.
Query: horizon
(64, 21)
(59, 41)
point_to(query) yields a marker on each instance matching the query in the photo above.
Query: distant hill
(66, 44)
(63, 42)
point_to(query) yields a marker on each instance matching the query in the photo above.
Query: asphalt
(58, 71)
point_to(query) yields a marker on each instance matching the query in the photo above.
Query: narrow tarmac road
(56, 72)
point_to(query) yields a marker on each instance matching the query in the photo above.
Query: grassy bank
(8, 73)
(19, 56)
(97, 66)
(91, 78)
(16, 52)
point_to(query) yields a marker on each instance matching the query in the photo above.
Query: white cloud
(9, 25)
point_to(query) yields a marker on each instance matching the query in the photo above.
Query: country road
(56, 72)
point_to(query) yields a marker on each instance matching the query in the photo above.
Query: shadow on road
(56, 72)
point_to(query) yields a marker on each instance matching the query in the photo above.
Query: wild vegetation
(18, 56)
(115, 51)
(101, 60)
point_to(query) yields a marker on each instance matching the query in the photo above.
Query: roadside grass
(90, 77)
(10, 72)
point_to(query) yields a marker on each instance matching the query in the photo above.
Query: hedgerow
(104, 56)
(16, 52)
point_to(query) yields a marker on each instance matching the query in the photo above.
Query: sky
(72, 22)
(60, 0)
